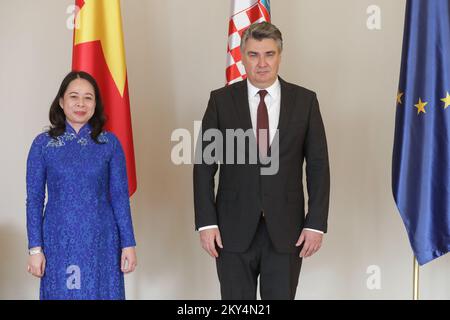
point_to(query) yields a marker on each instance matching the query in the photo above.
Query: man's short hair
(260, 31)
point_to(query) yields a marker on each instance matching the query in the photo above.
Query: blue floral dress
(86, 221)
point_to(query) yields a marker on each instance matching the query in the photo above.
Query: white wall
(176, 55)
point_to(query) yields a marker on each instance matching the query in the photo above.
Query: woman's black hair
(57, 116)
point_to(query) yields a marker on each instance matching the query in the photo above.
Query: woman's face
(78, 102)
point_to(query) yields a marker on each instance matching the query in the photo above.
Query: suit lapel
(286, 107)
(242, 108)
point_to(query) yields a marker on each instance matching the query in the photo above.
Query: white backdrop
(176, 56)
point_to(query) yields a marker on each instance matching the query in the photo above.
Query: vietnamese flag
(98, 49)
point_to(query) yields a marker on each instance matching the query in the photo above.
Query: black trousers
(278, 272)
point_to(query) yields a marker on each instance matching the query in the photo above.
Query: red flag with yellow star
(98, 49)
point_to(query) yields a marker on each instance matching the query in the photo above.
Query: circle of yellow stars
(422, 104)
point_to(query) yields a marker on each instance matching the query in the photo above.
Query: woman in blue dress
(83, 242)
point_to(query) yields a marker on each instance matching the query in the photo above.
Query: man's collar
(273, 90)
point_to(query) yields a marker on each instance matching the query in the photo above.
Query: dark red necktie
(262, 126)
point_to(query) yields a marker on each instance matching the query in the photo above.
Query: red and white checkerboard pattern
(244, 13)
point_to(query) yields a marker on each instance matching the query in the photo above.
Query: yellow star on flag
(446, 100)
(421, 106)
(399, 97)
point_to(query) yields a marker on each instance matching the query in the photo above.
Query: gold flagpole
(416, 280)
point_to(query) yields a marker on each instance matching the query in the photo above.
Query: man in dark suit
(256, 226)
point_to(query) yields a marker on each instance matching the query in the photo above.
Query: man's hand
(312, 243)
(208, 239)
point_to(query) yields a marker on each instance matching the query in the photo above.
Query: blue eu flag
(421, 157)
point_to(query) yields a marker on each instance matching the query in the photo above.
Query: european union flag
(421, 157)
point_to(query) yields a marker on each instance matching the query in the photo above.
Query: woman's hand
(36, 264)
(128, 261)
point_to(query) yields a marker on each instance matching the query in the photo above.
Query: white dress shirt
(272, 100)
(273, 103)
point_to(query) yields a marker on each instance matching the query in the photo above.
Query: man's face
(261, 60)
